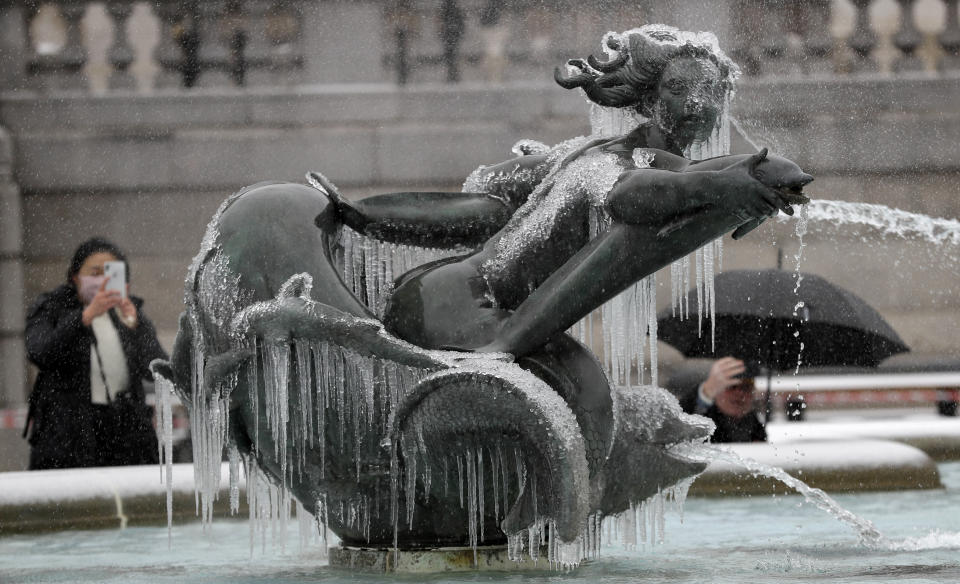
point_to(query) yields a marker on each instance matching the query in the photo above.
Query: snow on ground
(31, 487)
(848, 454)
(880, 424)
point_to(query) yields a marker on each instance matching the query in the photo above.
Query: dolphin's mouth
(792, 192)
(793, 195)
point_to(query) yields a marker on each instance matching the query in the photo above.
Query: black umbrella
(764, 318)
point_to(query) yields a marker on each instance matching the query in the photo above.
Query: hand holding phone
(116, 273)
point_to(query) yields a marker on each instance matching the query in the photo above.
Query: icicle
(276, 378)
(394, 499)
(253, 393)
(370, 265)
(305, 386)
(495, 483)
(460, 479)
(305, 527)
(426, 474)
(164, 390)
(480, 491)
(651, 307)
(505, 478)
(708, 291)
(446, 480)
(533, 542)
(234, 458)
(410, 456)
(252, 503)
(323, 521)
(270, 505)
(698, 269)
(320, 367)
(471, 502)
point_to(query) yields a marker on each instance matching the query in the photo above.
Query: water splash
(889, 221)
(801, 230)
(934, 540)
(868, 534)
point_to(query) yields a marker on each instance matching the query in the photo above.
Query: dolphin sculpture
(396, 444)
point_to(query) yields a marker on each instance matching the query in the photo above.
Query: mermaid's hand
(747, 197)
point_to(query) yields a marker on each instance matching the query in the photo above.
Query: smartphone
(116, 273)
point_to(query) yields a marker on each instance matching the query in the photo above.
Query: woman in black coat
(93, 347)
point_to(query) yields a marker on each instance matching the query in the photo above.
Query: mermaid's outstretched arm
(680, 197)
(642, 204)
(442, 219)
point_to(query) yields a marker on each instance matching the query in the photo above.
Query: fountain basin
(938, 436)
(430, 561)
(100, 498)
(109, 498)
(723, 540)
(836, 466)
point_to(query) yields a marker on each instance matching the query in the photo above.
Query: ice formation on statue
(283, 359)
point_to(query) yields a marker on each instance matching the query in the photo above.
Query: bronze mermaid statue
(539, 241)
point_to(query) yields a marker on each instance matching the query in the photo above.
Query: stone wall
(12, 357)
(148, 167)
(148, 171)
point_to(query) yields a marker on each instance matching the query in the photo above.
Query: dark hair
(90, 247)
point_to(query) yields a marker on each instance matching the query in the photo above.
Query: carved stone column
(863, 40)
(817, 41)
(73, 56)
(64, 68)
(747, 18)
(950, 39)
(15, 45)
(285, 41)
(773, 39)
(168, 53)
(907, 40)
(257, 53)
(121, 53)
(213, 52)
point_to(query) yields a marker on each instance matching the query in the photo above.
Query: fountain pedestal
(424, 561)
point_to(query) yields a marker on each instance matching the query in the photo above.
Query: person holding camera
(726, 396)
(92, 345)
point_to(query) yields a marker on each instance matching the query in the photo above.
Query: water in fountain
(867, 531)
(762, 540)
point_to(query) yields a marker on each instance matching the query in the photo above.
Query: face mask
(89, 286)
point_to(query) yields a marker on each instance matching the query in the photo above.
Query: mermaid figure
(560, 231)
(546, 267)
(542, 239)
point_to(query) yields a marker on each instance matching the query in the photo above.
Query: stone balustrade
(782, 37)
(834, 83)
(218, 43)
(207, 43)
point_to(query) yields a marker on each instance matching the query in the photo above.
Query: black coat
(67, 429)
(746, 429)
